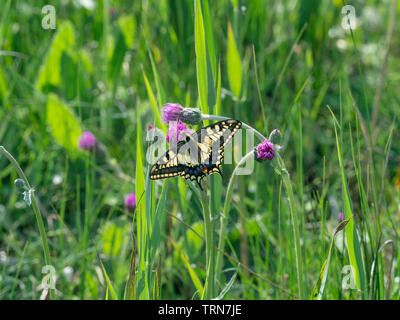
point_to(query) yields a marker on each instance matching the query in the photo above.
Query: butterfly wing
(199, 155)
(217, 136)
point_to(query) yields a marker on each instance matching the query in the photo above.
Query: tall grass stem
(209, 286)
(35, 207)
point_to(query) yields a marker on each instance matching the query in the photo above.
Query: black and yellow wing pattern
(197, 156)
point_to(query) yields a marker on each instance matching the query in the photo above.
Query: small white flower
(57, 179)
(68, 272)
(341, 44)
(3, 257)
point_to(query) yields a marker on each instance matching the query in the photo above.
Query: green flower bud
(275, 136)
(191, 115)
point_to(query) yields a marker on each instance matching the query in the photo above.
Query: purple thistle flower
(177, 131)
(171, 112)
(130, 202)
(87, 141)
(150, 127)
(266, 150)
(340, 216)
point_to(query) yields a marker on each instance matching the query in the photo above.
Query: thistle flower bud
(191, 115)
(275, 136)
(175, 112)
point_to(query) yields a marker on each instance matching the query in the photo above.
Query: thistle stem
(224, 217)
(279, 163)
(295, 225)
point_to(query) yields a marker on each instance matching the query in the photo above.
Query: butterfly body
(197, 156)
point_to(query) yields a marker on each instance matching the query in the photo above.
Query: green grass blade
(227, 287)
(352, 241)
(159, 87)
(218, 101)
(195, 279)
(3, 87)
(153, 101)
(110, 289)
(209, 35)
(201, 58)
(320, 285)
(141, 222)
(234, 64)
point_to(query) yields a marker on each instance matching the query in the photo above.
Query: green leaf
(209, 35)
(210, 55)
(63, 125)
(127, 25)
(86, 61)
(193, 239)
(227, 287)
(234, 64)
(115, 64)
(159, 87)
(69, 74)
(5, 8)
(50, 71)
(153, 101)
(352, 241)
(110, 288)
(3, 87)
(218, 100)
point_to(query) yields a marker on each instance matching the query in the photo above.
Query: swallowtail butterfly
(198, 155)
